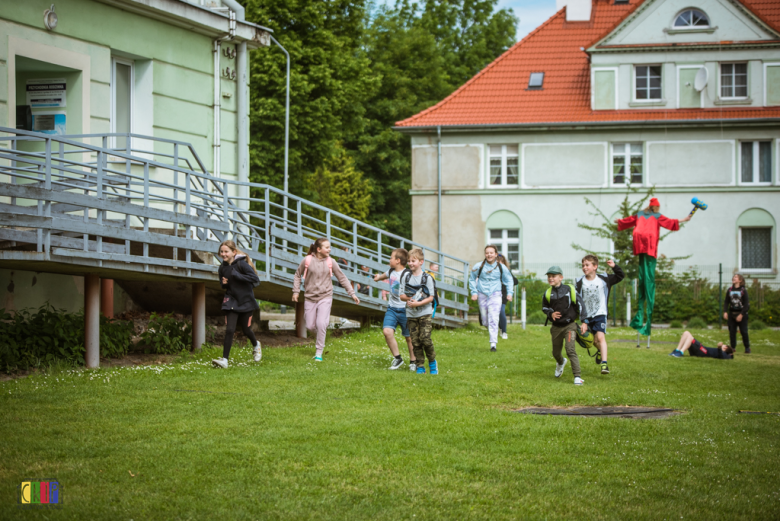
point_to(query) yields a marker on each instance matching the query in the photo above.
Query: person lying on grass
(695, 348)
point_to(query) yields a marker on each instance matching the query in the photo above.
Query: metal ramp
(148, 210)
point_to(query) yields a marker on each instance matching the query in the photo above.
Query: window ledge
(649, 103)
(708, 30)
(735, 101)
(498, 187)
(759, 274)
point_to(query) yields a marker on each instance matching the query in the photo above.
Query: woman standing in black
(238, 277)
(737, 306)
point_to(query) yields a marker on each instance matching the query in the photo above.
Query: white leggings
(490, 309)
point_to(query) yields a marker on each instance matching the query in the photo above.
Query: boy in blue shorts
(396, 309)
(595, 288)
(695, 348)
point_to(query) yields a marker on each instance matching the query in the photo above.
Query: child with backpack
(502, 317)
(561, 303)
(737, 306)
(595, 289)
(485, 283)
(315, 274)
(418, 290)
(396, 309)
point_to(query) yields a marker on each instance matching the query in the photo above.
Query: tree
(338, 185)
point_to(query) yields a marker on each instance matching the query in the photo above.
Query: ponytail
(316, 245)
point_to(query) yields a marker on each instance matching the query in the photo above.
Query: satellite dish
(701, 79)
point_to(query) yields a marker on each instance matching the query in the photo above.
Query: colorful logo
(42, 494)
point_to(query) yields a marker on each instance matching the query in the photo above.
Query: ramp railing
(145, 204)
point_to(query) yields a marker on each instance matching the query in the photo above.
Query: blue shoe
(420, 370)
(318, 359)
(434, 367)
(676, 354)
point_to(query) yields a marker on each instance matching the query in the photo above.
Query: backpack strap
(330, 265)
(573, 293)
(307, 261)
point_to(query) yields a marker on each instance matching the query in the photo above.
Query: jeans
(502, 319)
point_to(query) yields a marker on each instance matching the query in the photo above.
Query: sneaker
(396, 364)
(503, 335)
(747, 350)
(421, 370)
(493, 348)
(220, 363)
(559, 368)
(604, 368)
(434, 367)
(676, 354)
(317, 358)
(413, 365)
(578, 380)
(258, 352)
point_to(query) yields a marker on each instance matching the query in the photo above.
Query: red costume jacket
(647, 230)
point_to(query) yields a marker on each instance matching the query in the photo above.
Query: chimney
(576, 10)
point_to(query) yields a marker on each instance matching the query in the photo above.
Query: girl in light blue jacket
(485, 283)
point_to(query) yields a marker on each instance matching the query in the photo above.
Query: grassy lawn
(348, 439)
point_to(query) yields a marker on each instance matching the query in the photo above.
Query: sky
(532, 13)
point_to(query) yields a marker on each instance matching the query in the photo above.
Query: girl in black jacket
(737, 306)
(238, 277)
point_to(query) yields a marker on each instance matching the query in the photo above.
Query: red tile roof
(498, 94)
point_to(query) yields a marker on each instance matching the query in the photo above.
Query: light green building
(680, 95)
(164, 68)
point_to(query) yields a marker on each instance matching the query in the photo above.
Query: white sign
(46, 93)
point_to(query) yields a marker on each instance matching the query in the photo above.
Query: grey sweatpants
(567, 334)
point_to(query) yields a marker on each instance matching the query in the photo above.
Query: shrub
(165, 335)
(675, 324)
(32, 339)
(756, 325)
(537, 317)
(697, 323)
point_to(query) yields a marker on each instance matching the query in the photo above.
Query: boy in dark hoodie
(561, 304)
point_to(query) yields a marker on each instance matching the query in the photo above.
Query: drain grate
(612, 412)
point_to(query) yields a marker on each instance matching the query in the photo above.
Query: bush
(675, 324)
(32, 339)
(697, 323)
(756, 325)
(165, 335)
(537, 317)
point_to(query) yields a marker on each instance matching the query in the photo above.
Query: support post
(300, 320)
(628, 308)
(107, 297)
(198, 315)
(92, 320)
(720, 296)
(522, 310)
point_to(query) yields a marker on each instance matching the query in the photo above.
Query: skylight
(536, 80)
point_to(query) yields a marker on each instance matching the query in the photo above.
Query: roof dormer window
(535, 81)
(691, 19)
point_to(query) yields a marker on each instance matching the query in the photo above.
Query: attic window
(619, 2)
(691, 19)
(535, 81)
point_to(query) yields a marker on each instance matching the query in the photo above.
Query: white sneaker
(412, 366)
(578, 381)
(396, 364)
(559, 368)
(220, 363)
(503, 336)
(258, 352)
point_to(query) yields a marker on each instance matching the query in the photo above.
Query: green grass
(348, 439)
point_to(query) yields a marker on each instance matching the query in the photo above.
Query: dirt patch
(603, 412)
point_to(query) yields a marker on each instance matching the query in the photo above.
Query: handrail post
(327, 226)
(379, 246)
(300, 226)
(267, 234)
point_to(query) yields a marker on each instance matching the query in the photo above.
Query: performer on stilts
(647, 229)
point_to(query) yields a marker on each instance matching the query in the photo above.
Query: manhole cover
(613, 412)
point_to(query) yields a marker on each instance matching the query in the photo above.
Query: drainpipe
(242, 102)
(286, 127)
(438, 131)
(217, 92)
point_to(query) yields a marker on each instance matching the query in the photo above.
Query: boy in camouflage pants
(417, 290)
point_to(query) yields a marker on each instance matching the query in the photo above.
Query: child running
(595, 288)
(737, 306)
(396, 309)
(485, 282)
(561, 304)
(238, 277)
(316, 271)
(418, 290)
(502, 317)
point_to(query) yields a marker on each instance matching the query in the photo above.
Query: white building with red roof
(682, 95)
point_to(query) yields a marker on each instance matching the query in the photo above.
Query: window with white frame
(504, 170)
(755, 248)
(627, 163)
(508, 243)
(122, 80)
(733, 80)
(691, 19)
(756, 161)
(647, 82)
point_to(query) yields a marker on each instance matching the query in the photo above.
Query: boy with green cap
(561, 304)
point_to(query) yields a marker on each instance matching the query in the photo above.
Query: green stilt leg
(645, 294)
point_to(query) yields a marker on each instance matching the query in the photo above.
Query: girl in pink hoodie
(316, 271)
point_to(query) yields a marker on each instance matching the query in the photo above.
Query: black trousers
(234, 319)
(743, 330)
